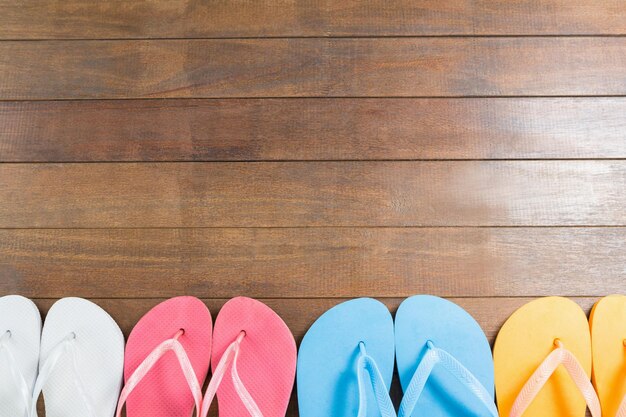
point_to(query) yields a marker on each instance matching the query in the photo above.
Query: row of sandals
(541, 363)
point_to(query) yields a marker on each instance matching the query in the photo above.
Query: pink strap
(154, 356)
(230, 358)
(560, 356)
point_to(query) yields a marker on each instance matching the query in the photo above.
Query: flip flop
(20, 336)
(167, 360)
(346, 362)
(608, 348)
(81, 359)
(444, 360)
(531, 346)
(256, 346)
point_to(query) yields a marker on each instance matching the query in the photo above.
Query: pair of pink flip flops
(251, 351)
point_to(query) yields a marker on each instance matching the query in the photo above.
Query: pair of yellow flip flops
(543, 359)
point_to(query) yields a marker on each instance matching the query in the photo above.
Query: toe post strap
(367, 364)
(559, 356)
(157, 353)
(229, 359)
(437, 356)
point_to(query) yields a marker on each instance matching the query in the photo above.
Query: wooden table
(304, 152)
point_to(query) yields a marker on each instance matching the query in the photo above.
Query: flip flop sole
(97, 366)
(525, 340)
(608, 333)
(266, 362)
(164, 391)
(20, 317)
(424, 318)
(327, 374)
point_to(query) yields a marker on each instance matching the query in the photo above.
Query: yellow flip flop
(608, 347)
(542, 359)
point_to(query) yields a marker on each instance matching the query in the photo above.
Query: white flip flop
(20, 334)
(81, 361)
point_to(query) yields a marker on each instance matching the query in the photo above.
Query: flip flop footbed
(86, 379)
(608, 333)
(20, 334)
(164, 391)
(327, 362)
(425, 318)
(524, 342)
(266, 362)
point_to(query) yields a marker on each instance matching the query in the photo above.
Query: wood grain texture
(284, 194)
(72, 19)
(310, 262)
(312, 129)
(397, 67)
(305, 152)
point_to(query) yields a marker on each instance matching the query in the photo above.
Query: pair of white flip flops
(76, 360)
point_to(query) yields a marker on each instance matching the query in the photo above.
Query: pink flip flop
(167, 360)
(257, 349)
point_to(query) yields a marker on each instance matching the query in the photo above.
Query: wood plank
(73, 19)
(310, 129)
(293, 194)
(313, 67)
(311, 262)
(299, 314)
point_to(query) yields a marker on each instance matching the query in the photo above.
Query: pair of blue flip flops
(346, 361)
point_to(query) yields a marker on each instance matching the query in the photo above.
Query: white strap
(148, 363)
(65, 347)
(16, 373)
(229, 358)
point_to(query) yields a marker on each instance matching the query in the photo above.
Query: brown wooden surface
(310, 129)
(73, 19)
(292, 194)
(468, 149)
(313, 262)
(366, 67)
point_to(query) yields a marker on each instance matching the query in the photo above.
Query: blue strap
(436, 356)
(367, 364)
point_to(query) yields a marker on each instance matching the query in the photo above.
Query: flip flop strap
(148, 363)
(367, 364)
(229, 358)
(435, 356)
(16, 374)
(559, 356)
(66, 347)
(621, 411)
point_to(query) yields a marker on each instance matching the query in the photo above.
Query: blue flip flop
(346, 362)
(444, 360)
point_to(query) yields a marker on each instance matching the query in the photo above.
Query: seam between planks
(449, 36)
